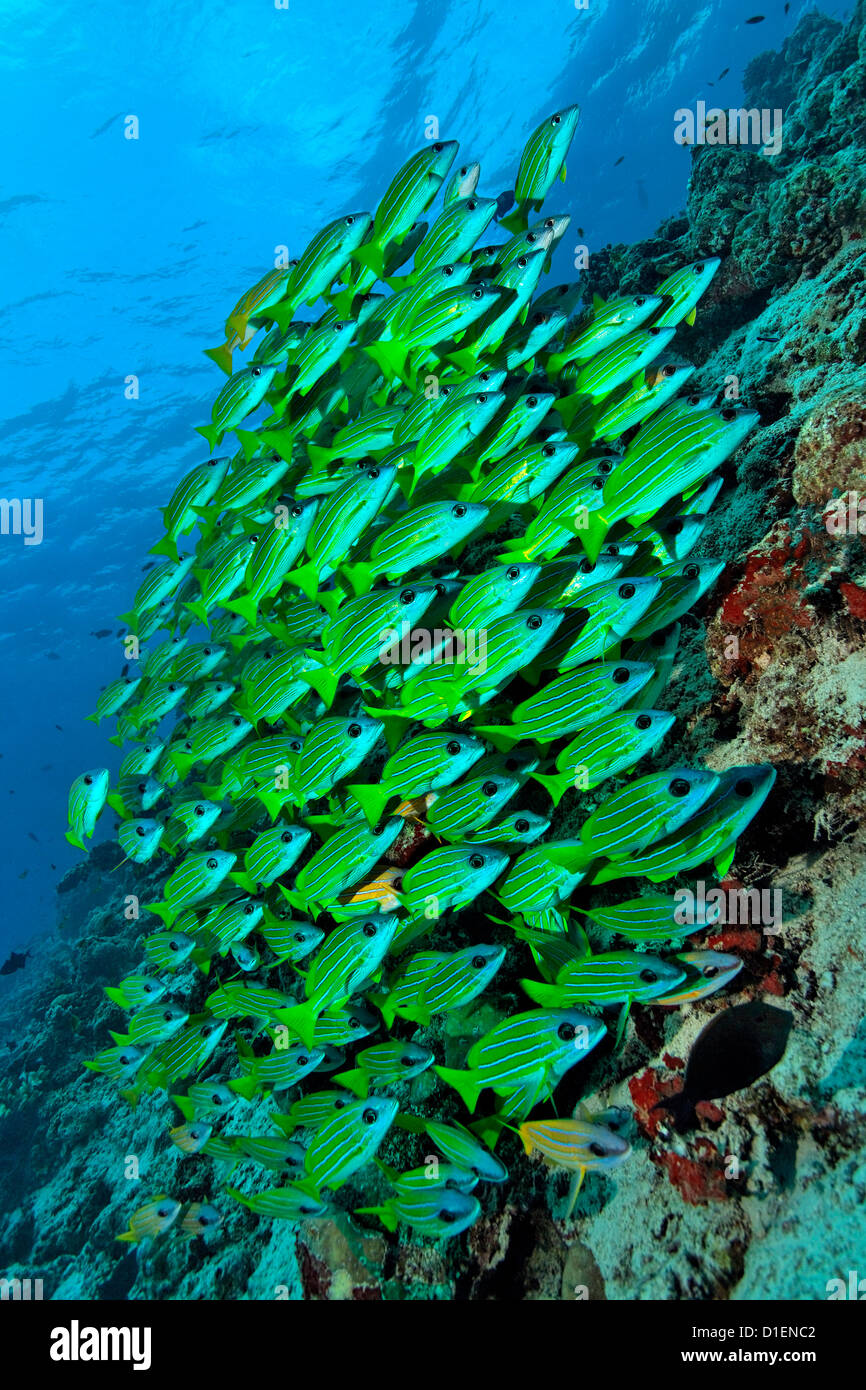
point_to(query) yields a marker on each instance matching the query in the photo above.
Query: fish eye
(142, 786)
(212, 863)
(675, 527)
(620, 675)
(694, 400)
(744, 787)
(565, 1031)
(691, 572)
(477, 292)
(698, 267)
(349, 220)
(532, 402)
(586, 567)
(372, 472)
(548, 451)
(534, 622)
(639, 301)
(513, 572)
(655, 331)
(668, 370)
(286, 837)
(237, 721)
(648, 976)
(478, 962)
(296, 510)
(711, 972)
(643, 721)
(295, 746)
(88, 782)
(397, 884)
(611, 550)
(448, 270)
(511, 764)
(522, 263)
(407, 596)
(251, 540)
(597, 484)
(440, 590)
(489, 788)
(139, 830)
(458, 510)
(173, 946)
(369, 928)
(369, 1117)
(679, 787)
(167, 1015)
(556, 120)
(199, 811)
(407, 1061)
(299, 937)
(437, 149)
(354, 731)
(598, 1149)
(521, 825)
(148, 989)
(256, 371)
(354, 1022)
(729, 414)
(482, 399)
(626, 591)
(476, 861)
(452, 748)
(302, 1061)
(472, 205)
(605, 466)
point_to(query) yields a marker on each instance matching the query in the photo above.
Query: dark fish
(769, 340)
(150, 566)
(124, 671)
(711, 84)
(642, 194)
(736, 1048)
(46, 767)
(31, 836)
(59, 728)
(120, 631)
(103, 632)
(724, 72)
(618, 161)
(756, 19)
(53, 866)
(53, 656)
(15, 962)
(787, 8)
(504, 202)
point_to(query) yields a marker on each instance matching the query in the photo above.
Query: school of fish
(447, 560)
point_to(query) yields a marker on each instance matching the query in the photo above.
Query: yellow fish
(577, 1145)
(155, 1217)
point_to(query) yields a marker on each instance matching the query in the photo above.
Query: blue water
(122, 257)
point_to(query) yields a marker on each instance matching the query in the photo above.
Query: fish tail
(186, 1107)
(199, 610)
(371, 257)
(239, 1197)
(163, 910)
(222, 355)
(301, 1019)
(306, 579)
(245, 1086)
(357, 1081)
(372, 798)
(574, 1189)
(117, 996)
(385, 1215)
(549, 996)
(324, 681)
(127, 1235)
(249, 441)
(246, 606)
(555, 786)
(211, 434)
(464, 1084)
(681, 1107)
(360, 576)
(76, 840)
(167, 546)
